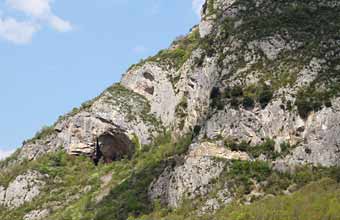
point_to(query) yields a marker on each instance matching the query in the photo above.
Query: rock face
(23, 189)
(154, 83)
(187, 181)
(194, 177)
(247, 87)
(117, 109)
(321, 129)
(246, 73)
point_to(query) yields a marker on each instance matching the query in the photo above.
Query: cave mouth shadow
(112, 146)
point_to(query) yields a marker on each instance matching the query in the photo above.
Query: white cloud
(5, 153)
(38, 13)
(35, 8)
(17, 32)
(59, 24)
(197, 6)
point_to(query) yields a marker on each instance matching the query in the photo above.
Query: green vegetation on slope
(316, 200)
(294, 22)
(64, 182)
(73, 183)
(180, 51)
(253, 94)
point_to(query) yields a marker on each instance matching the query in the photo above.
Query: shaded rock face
(23, 189)
(113, 146)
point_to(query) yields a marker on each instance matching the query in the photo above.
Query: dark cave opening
(113, 146)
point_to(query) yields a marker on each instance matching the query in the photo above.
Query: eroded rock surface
(193, 178)
(117, 109)
(23, 189)
(186, 181)
(37, 215)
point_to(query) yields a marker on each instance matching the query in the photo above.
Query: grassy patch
(68, 176)
(316, 196)
(180, 51)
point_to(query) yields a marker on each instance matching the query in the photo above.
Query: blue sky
(56, 54)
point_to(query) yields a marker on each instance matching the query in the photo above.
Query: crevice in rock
(148, 76)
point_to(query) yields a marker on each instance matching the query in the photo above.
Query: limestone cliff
(255, 83)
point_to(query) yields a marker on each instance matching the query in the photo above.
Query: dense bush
(231, 144)
(311, 99)
(244, 171)
(248, 102)
(265, 95)
(216, 98)
(267, 148)
(248, 96)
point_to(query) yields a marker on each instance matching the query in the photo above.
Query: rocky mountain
(239, 119)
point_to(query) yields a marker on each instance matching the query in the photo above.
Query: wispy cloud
(197, 6)
(37, 14)
(35, 8)
(59, 24)
(5, 153)
(140, 49)
(17, 32)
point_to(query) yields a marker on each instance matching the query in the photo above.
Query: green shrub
(180, 53)
(181, 108)
(236, 91)
(242, 172)
(267, 148)
(285, 148)
(311, 99)
(248, 102)
(265, 96)
(249, 95)
(43, 133)
(232, 145)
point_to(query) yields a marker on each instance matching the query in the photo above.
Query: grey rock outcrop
(154, 83)
(194, 177)
(249, 60)
(117, 109)
(240, 79)
(186, 181)
(37, 214)
(23, 189)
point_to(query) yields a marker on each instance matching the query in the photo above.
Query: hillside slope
(244, 108)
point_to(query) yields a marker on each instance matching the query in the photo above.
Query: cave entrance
(112, 146)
